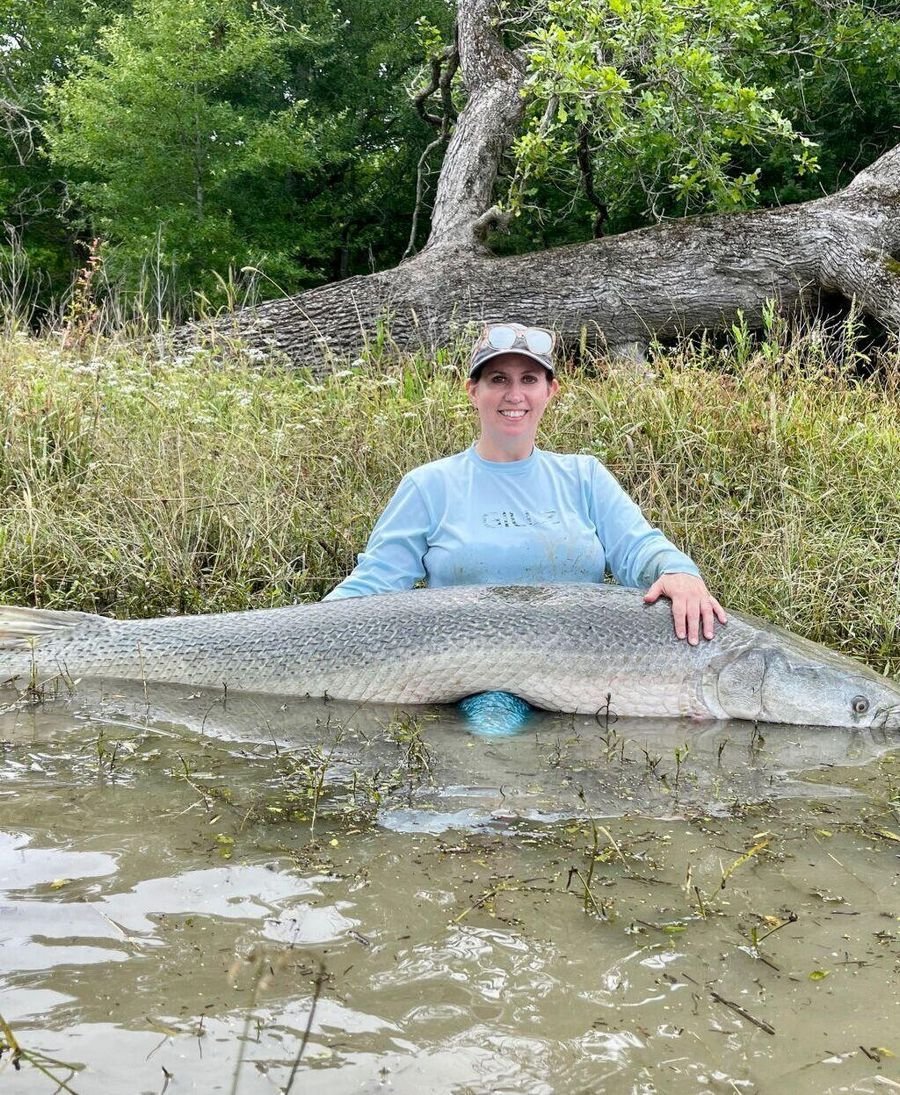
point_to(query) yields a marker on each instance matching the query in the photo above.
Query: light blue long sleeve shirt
(550, 518)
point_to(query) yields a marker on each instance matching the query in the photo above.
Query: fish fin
(25, 627)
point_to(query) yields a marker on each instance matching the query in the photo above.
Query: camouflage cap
(535, 343)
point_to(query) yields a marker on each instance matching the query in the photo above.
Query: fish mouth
(888, 718)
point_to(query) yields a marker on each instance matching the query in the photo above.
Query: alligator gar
(573, 648)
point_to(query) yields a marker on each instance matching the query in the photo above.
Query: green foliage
(41, 37)
(181, 130)
(357, 82)
(197, 138)
(654, 93)
(837, 75)
(686, 105)
(139, 486)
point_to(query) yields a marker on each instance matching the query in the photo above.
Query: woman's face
(511, 395)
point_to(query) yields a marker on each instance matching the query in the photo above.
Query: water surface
(242, 894)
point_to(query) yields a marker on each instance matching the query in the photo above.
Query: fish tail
(21, 628)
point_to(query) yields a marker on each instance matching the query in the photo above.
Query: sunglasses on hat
(496, 338)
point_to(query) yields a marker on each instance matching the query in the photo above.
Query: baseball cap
(536, 343)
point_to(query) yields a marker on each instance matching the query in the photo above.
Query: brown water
(246, 896)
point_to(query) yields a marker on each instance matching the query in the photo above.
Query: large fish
(576, 648)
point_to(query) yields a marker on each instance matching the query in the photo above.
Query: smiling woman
(510, 395)
(504, 512)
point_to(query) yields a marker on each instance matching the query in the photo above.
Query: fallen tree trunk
(660, 281)
(617, 292)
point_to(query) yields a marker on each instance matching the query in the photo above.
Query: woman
(504, 512)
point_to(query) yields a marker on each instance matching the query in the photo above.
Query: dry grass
(133, 485)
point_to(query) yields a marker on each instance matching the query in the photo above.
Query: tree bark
(619, 291)
(494, 78)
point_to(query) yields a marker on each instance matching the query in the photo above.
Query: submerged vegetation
(133, 482)
(136, 483)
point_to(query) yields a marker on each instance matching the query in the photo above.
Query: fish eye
(859, 705)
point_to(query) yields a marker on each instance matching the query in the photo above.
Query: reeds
(133, 484)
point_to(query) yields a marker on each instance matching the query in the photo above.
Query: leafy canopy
(656, 96)
(199, 137)
(181, 130)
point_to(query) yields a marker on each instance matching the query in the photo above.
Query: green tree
(38, 41)
(179, 133)
(640, 110)
(836, 71)
(645, 106)
(357, 83)
(207, 136)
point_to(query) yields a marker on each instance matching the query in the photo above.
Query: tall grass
(135, 485)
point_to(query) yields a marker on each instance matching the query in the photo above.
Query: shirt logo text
(524, 519)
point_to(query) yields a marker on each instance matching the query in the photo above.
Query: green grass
(132, 485)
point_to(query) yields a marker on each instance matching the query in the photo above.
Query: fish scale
(575, 648)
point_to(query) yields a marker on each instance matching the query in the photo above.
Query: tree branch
(420, 193)
(19, 127)
(484, 130)
(586, 166)
(443, 69)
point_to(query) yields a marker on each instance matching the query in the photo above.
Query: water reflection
(423, 769)
(191, 882)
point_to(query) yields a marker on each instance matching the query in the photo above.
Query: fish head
(807, 684)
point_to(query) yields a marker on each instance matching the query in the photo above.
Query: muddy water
(201, 894)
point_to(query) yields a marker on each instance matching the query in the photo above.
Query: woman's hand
(692, 605)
